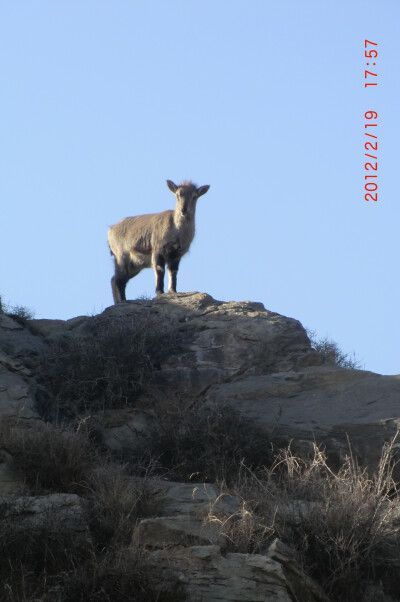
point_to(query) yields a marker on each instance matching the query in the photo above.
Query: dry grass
(244, 531)
(345, 526)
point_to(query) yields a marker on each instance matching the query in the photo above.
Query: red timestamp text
(371, 55)
(371, 145)
(370, 127)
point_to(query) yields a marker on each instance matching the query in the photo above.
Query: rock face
(326, 404)
(19, 352)
(57, 514)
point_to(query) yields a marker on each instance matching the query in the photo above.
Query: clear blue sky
(102, 101)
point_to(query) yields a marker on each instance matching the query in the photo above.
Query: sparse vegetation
(42, 565)
(344, 525)
(49, 564)
(331, 352)
(17, 312)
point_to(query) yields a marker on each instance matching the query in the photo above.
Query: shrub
(20, 313)
(331, 352)
(103, 368)
(17, 312)
(207, 443)
(50, 458)
(117, 501)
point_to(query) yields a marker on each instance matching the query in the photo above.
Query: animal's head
(186, 194)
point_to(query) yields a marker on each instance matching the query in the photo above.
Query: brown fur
(154, 240)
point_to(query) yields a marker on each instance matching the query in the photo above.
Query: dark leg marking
(118, 284)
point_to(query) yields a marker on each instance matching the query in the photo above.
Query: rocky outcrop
(259, 361)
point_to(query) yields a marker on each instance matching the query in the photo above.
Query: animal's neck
(184, 222)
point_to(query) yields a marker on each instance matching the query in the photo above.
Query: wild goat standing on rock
(154, 240)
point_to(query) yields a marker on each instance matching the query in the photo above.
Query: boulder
(170, 531)
(204, 573)
(56, 513)
(182, 513)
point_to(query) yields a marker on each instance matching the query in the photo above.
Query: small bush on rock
(50, 458)
(105, 367)
(331, 352)
(207, 443)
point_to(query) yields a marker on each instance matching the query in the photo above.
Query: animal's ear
(173, 187)
(202, 190)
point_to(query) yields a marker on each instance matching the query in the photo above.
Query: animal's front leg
(159, 270)
(172, 274)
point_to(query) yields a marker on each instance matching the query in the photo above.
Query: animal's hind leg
(121, 277)
(125, 269)
(118, 284)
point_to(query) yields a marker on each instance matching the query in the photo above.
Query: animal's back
(138, 234)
